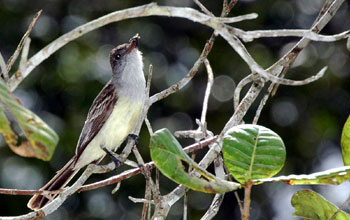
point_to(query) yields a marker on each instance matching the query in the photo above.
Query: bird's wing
(99, 112)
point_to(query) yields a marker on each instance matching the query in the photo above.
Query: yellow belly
(118, 126)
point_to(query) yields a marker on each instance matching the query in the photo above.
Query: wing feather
(99, 112)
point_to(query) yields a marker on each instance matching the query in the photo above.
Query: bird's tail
(59, 181)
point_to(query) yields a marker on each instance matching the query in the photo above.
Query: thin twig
(4, 73)
(58, 201)
(227, 7)
(151, 9)
(184, 81)
(25, 192)
(125, 175)
(13, 58)
(116, 188)
(207, 91)
(24, 56)
(137, 200)
(214, 207)
(248, 36)
(149, 126)
(132, 172)
(184, 216)
(203, 8)
(283, 64)
(219, 197)
(148, 196)
(238, 201)
(238, 89)
(270, 91)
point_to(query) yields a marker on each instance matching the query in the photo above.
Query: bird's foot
(134, 137)
(112, 156)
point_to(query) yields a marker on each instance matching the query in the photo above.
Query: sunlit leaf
(168, 156)
(345, 142)
(310, 205)
(40, 140)
(332, 176)
(253, 152)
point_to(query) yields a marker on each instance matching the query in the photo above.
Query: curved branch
(151, 9)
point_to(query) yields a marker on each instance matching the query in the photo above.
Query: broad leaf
(332, 176)
(310, 205)
(345, 142)
(168, 156)
(40, 140)
(253, 152)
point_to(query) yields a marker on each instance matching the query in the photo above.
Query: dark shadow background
(62, 88)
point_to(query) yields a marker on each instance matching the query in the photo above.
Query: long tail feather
(59, 181)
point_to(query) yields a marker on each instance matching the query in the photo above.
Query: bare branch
(248, 36)
(132, 172)
(136, 200)
(238, 89)
(214, 207)
(58, 201)
(328, 12)
(24, 192)
(203, 8)
(219, 197)
(237, 117)
(13, 58)
(227, 7)
(207, 90)
(151, 9)
(116, 188)
(3, 67)
(184, 81)
(24, 56)
(239, 18)
(283, 64)
(149, 126)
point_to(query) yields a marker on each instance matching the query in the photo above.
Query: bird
(111, 118)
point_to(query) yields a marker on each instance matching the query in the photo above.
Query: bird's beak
(134, 42)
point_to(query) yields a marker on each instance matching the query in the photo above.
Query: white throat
(132, 82)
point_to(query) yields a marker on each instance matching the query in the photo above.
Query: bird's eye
(118, 56)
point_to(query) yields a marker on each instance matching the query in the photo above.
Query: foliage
(40, 140)
(311, 205)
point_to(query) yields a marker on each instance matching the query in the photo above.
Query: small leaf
(310, 205)
(332, 176)
(168, 155)
(40, 141)
(345, 142)
(253, 152)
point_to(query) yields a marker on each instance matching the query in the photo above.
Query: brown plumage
(99, 112)
(112, 116)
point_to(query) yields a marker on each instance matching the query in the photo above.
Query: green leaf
(253, 152)
(168, 155)
(345, 142)
(40, 140)
(310, 205)
(332, 176)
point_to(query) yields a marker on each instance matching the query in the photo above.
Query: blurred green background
(62, 88)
